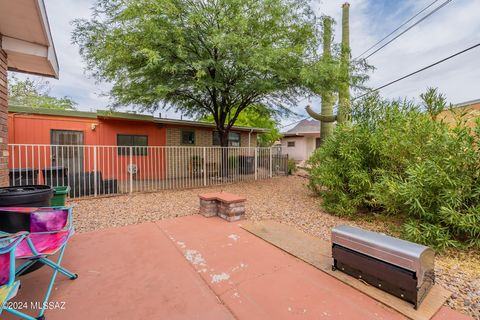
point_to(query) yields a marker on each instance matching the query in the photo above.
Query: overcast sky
(453, 28)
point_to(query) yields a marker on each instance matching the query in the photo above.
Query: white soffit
(26, 37)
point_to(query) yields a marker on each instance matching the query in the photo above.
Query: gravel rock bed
(284, 199)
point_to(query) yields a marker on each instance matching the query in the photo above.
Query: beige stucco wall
(304, 147)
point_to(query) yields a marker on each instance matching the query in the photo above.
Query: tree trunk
(223, 135)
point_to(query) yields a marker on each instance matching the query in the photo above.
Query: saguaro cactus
(328, 97)
(344, 108)
(326, 116)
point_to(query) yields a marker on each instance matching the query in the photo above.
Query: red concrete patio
(195, 268)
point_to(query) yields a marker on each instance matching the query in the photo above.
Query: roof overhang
(123, 116)
(467, 103)
(205, 124)
(300, 134)
(292, 135)
(26, 38)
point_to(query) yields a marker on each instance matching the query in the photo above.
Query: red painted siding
(109, 130)
(36, 129)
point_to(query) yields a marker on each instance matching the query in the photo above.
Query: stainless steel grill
(400, 267)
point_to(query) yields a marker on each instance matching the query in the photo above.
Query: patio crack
(219, 299)
(238, 284)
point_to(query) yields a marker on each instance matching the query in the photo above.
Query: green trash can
(59, 196)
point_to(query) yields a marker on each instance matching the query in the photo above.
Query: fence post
(204, 166)
(271, 163)
(131, 169)
(286, 166)
(256, 161)
(95, 171)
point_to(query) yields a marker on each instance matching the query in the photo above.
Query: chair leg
(20, 314)
(24, 267)
(56, 268)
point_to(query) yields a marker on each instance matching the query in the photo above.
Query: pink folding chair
(8, 284)
(50, 230)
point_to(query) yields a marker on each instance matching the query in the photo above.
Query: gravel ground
(286, 200)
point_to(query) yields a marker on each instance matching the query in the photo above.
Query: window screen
(135, 141)
(188, 137)
(233, 139)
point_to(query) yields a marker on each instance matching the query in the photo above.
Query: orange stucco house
(100, 142)
(106, 128)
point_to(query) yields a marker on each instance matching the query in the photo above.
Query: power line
(401, 78)
(398, 28)
(409, 28)
(419, 70)
(291, 124)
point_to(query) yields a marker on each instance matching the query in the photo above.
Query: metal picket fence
(93, 170)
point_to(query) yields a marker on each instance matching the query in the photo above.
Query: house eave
(300, 134)
(26, 38)
(293, 135)
(467, 103)
(206, 125)
(125, 116)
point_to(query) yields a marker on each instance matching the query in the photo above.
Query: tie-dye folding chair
(8, 285)
(50, 230)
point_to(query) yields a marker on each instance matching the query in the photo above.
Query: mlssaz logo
(52, 305)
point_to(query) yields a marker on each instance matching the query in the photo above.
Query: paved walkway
(195, 268)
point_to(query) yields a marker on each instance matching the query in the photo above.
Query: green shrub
(396, 158)
(427, 233)
(292, 166)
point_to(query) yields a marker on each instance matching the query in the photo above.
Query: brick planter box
(226, 205)
(208, 208)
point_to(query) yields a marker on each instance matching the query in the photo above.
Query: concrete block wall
(244, 139)
(204, 137)
(179, 163)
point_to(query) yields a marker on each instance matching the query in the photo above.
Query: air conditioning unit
(132, 169)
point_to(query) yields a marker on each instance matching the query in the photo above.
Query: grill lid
(405, 254)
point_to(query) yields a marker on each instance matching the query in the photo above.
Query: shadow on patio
(194, 268)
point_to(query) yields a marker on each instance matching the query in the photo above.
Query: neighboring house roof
(303, 127)
(468, 111)
(467, 103)
(26, 38)
(107, 114)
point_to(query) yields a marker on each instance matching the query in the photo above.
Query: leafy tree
(36, 94)
(213, 58)
(259, 117)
